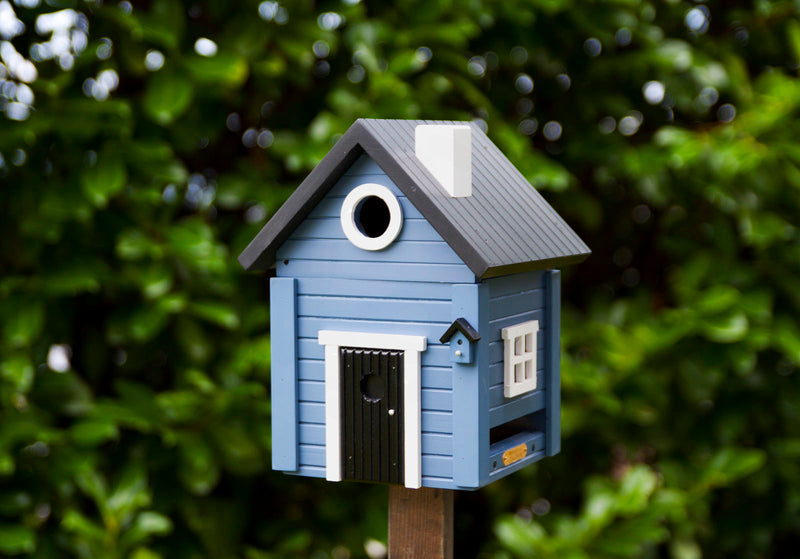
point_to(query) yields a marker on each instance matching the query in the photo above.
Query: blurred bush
(143, 144)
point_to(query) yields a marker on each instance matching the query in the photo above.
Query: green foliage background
(122, 211)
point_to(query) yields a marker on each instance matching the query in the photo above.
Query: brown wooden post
(420, 523)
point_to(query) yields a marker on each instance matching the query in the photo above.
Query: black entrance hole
(372, 216)
(373, 388)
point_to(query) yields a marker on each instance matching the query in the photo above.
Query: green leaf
(134, 244)
(181, 405)
(63, 393)
(144, 553)
(76, 523)
(600, 506)
(105, 179)
(627, 538)
(200, 471)
(92, 484)
(93, 433)
(146, 525)
(129, 494)
(75, 278)
(167, 96)
(793, 34)
(239, 449)
(224, 69)
(16, 540)
(637, 487)
(155, 281)
(147, 321)
(193, 241)
(520, 537)
(730, 464)
(216, 312)
(18, 371)
(684, 548)
(164, 23)
(726, 329)
(156, 158)
(14, 502)
(23, 319)
(7, 465)
(764, 229)
(787, 338)
(718, 298)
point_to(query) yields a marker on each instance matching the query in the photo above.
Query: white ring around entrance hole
(349, 216)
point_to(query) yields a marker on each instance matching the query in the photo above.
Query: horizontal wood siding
(411, 252)
(514, 299)
(432, 443)
(418, 272)
(383, 309)
(325, 228)
(403, 289)
(331, 205)
(319, 248)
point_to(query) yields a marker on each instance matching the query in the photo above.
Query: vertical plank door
(372, 414)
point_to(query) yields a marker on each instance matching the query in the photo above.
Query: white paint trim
(333, 446)
(446, 151)
(412, 423)
(372, 340)
(511, 386)
(349, 210)
(412, 397)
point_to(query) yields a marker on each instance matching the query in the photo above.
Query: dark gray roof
(504, 227)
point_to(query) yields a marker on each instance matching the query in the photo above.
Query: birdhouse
(414, 311)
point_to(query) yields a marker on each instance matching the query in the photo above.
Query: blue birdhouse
(414, 311)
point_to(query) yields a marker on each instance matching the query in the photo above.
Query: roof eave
(545, 264)
(260, 252)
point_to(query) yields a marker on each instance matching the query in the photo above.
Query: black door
(372, 414)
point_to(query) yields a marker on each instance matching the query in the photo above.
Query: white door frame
(412, 396)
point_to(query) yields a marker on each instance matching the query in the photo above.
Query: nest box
(415, 311)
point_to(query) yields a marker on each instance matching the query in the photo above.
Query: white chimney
(446, 151)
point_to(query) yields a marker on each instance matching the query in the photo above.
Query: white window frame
(413, 346)
(519, 358)
(349, 210)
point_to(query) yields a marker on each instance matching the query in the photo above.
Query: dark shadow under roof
(505, 227)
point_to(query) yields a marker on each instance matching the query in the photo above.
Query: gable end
(260, 253)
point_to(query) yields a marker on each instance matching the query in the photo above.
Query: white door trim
(412, 395)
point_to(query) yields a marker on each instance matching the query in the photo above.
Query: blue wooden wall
(403, 289)
(514, 299)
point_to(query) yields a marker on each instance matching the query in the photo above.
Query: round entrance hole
(373, 388)
(372, 216)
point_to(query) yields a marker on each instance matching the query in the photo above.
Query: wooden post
(420, 523)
